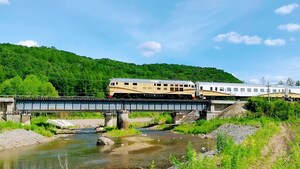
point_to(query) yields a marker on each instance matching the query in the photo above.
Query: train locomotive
(178, 89)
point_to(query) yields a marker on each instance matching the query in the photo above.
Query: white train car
(240, 90)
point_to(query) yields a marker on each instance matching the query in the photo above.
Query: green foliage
(76, 115)
(121, 133)
(32, 85)
(40, 125)
(223, 142)
(279, 109)
(9, 125)
(76, 75)
(153, 166)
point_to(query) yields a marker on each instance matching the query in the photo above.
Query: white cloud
(274, 42)
(286, 9)
(234, 37)
(150, 48)
(291, 27)
(28, 43)
(4, 2)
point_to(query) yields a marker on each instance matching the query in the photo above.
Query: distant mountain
(71, 74)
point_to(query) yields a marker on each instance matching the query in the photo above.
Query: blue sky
(250, 39)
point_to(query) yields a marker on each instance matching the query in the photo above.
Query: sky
(250, 39)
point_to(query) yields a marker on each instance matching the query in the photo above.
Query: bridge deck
(93, 104)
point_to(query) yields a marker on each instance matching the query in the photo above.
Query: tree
(280, 83)
(290, 82)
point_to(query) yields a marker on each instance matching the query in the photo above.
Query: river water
(80, 151)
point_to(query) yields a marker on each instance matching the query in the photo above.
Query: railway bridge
(21, 108)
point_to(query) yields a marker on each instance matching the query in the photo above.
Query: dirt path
(277, 146)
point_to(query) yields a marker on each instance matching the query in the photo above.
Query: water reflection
(82, 152)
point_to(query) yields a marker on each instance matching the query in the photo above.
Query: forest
(73, 75)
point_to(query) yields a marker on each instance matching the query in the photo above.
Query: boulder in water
(102, 141)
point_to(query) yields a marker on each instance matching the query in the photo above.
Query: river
(80, 151)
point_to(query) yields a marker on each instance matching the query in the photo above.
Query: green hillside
(71, 74)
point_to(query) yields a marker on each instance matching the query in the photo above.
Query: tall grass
(113, 132)
(230, 155)
(9, 125)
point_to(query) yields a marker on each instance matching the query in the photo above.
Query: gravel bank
(20, 137)
(237, 132)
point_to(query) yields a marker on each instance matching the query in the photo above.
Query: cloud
(291, 27)
(286, 9)
(274, 42)
(28, 43)
(150, 48)
(292, 39)
(4, 2)
(236, 38)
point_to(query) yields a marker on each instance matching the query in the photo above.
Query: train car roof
(151, 81)
(239, 84)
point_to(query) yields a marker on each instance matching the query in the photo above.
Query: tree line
(73, 75)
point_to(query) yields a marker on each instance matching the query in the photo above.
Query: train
(180, 89)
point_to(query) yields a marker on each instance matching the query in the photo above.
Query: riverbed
(80, 151)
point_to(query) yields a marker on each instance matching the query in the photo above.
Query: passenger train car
(144, 88)
(177, 89)
(213, 90)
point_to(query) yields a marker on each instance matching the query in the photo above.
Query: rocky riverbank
(20, 137)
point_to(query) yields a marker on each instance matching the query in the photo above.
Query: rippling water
(80, 151)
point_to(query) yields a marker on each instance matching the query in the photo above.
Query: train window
(158, 85)
(176, 85)
(185, 85)
(235, 89)
(158, 88)
(181, 85)
(222, 89)
(176, 89)
(255, 90)
(181, 89)
(134, 84)
(211, 88)
(172, 89)
(262, 90)
(201, 87)
(249, 90)
(171, 85)
(126, 83)
(116, 83)
(242, 89)
(192, 86)
(112, 84)
(154, 84)
(274, 90)
(165, 88)
(290, 91)
(216, 89)
(165, 84)
(228, 89)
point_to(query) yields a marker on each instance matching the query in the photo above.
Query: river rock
(104, 141)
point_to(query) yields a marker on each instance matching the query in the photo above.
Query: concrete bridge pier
(122, 119)
(108, 119)
(25, 118)
(177, 116)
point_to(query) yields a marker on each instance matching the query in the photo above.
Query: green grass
(204, 127)
(113, 132)
(9, 125)
(232, 156)
(74, 115)
(292, 159)
(38, 125)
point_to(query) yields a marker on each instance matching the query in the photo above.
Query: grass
(38, 125)
(75, 115)
(231, 155)
(204, 127)
(113, 132)
(292, 159)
